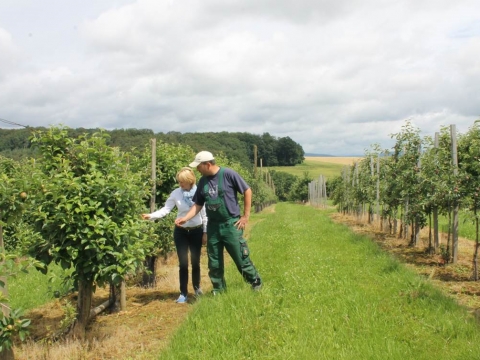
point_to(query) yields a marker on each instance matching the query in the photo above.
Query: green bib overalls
(222, 233)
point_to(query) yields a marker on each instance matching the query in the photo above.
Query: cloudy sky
(334, 75)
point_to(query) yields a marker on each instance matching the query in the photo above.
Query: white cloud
(335, 76)
(9, 53)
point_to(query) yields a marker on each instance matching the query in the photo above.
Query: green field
(314, 169)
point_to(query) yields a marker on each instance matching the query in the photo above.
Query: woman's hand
(204, 239)
(146, 216)
(180, 221)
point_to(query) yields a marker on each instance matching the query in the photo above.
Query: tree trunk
(436, 238)
(405, 220)
(431, 246)
(84, 304)
(149, 278)
(417, 233)
(6, 354)
(455, 232)
(412, 231)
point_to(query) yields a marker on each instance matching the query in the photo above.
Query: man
(217, 190)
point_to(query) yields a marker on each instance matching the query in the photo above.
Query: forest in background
(237, 146)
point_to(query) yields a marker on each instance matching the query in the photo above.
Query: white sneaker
(198, 292)
(182, 299)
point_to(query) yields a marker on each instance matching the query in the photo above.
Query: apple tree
(16, 181)
(88, 213)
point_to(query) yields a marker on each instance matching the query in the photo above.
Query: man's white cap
(202, 156)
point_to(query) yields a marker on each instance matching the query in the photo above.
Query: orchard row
(79, 204)
(417, 180)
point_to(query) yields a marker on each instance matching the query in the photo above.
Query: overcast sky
(334, 75)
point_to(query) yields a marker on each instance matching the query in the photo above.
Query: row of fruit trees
(78, 204)
(420, 178)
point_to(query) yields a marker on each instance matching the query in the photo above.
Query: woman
(189, 236)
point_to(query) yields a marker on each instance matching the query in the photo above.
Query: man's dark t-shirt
(233, 183)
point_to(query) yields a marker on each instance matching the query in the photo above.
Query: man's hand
(146, 216)
(194, 210)
(241, 223)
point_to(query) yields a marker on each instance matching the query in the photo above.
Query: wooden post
(356, 182)
(453, 136)
(436, 239)
(123, 298)
(255, 161)
(416, 235)
(325, 193)
(346, 183)
(378, 188)
(154, 175)
(370, 206)
(477, 245)
(322, 192)
(149, 280)
(310, 193)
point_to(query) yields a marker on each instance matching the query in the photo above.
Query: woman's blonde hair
(187, 175)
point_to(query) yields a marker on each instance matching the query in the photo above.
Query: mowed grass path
(328, 294)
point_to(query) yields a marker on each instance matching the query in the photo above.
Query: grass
(31, 290)
(328, 294)
(466, 227)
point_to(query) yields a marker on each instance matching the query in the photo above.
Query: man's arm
(194, 210)
(247, 203)
(247, 206)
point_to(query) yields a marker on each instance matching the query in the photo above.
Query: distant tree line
(290, 187)
(238, 146)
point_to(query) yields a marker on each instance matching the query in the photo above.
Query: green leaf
(64, 264)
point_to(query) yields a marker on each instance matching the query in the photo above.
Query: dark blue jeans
(186, 240)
